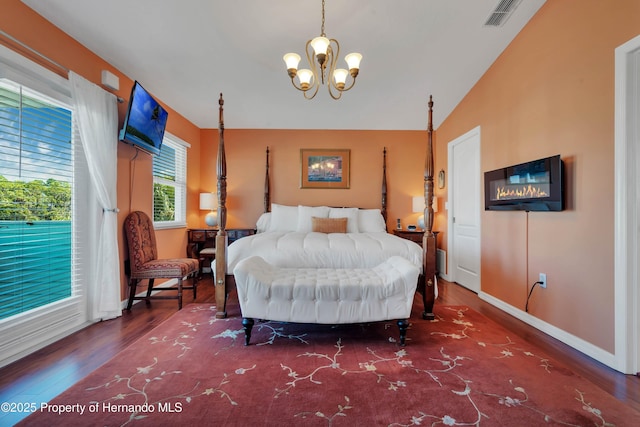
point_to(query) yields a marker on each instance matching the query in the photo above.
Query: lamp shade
(292, 60)
(305, 76)
(207, 201)
(320, 45)
(340, 76)
(353, 60)
(418, 204)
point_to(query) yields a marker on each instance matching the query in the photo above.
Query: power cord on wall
(132, 174)
(526, 306)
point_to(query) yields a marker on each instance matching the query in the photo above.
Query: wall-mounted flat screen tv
(531, 186)
(145, 121)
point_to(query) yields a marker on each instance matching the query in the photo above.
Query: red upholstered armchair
(144, 262)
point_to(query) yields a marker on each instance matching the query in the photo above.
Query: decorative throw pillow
(329, 225)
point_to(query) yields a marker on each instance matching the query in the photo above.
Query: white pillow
(352, 217)
(283, 218)
(264, 222)
(371, 221)
(306, 212)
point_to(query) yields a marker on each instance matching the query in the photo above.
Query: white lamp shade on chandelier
(208, 203)
(325, 51)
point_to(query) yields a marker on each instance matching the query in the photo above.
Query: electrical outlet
(543, 280)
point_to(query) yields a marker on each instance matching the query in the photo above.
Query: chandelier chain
(322, 28)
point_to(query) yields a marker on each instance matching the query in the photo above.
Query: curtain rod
(53, 66)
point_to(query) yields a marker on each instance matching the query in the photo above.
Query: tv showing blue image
(145, 121)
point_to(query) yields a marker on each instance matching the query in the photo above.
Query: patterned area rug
(460, 369)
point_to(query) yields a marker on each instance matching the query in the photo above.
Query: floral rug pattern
(460, 369)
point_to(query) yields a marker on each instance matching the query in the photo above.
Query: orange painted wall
(552, 92)
(134, 190)
(246, 161)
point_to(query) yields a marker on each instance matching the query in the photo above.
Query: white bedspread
(334, 250)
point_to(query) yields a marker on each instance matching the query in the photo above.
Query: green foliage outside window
(35, 200)
(164, 206)
(50, 200)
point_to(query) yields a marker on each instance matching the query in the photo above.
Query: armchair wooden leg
(133, 284)
(149, 289)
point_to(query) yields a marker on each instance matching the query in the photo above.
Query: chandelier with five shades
(326, 52)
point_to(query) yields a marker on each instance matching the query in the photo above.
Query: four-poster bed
(368, 247)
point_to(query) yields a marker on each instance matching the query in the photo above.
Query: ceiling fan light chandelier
(326, 52)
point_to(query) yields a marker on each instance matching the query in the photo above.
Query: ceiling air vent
(501, 13)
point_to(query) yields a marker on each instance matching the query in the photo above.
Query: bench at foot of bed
(326, 295)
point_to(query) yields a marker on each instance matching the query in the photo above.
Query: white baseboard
(4, 361)
(579, 344)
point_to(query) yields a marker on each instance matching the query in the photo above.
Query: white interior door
(627, 200)
(464, 209)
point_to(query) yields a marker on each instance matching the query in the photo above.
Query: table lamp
(208, 202)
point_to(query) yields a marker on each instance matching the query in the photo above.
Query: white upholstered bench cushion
(326, 295)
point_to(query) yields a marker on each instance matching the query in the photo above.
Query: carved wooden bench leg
(247, 324)
(403, 324)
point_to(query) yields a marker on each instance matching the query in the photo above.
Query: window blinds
(169, 184)
(36, 179)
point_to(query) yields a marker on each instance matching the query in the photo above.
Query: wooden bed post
(429, 239)
(221, 237)
(267, 187)
(383, 207)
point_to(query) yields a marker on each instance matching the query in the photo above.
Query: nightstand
(234, 234)
(413, 235)
(202, 242)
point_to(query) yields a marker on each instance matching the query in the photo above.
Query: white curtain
(97, 118)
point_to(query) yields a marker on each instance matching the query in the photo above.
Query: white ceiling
(185, 52)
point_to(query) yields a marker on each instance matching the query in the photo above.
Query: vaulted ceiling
(185, 52)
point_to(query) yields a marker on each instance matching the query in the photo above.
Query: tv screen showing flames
(531, 186)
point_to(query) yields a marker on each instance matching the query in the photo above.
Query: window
(170, 183)
(43, 230)
(36, 177)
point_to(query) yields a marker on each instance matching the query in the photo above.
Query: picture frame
(441, 178)
(325, 168)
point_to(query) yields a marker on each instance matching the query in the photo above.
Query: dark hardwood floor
(46, 373)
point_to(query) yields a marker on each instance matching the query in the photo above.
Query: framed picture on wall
(324, 168)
